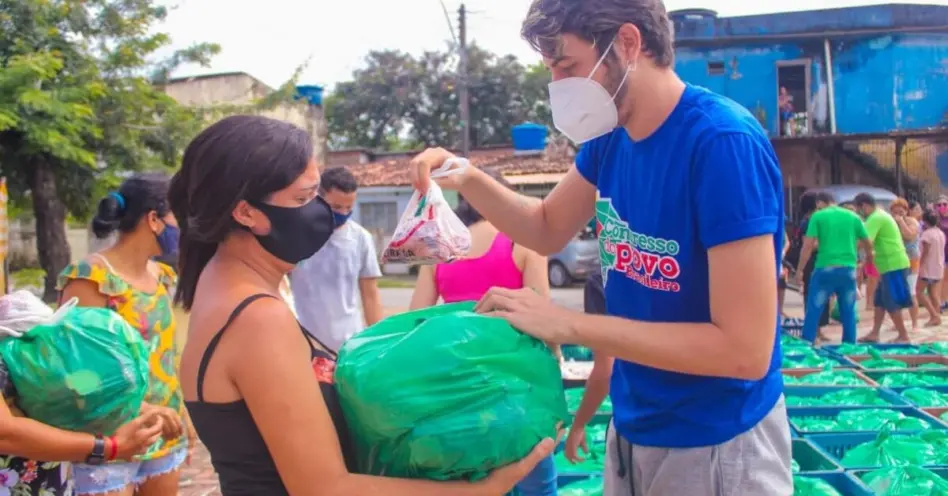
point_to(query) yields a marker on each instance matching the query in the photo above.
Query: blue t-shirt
(706, 177)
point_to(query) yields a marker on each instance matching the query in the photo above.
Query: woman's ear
(154, 222)
(249, 217)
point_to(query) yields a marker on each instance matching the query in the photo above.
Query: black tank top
(238, 452)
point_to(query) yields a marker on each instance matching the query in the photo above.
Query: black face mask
(296, 233)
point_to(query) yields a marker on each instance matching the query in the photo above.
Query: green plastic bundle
(849, 349)
(790, 345)
(447, 394)
(828, 377)
(592, 486)
(843, 397)
(909, 379)
(811, 486)
(889, 450)
(807, 362)
(86, 372)
(905, 481)
(868, 419)
(940, 348)
(927, 398)
(574, 397)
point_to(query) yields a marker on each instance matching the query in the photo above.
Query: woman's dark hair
(244, 157)
(912, 204)
(930, 218)
(466, 212)
(807, 204)
(122, 210)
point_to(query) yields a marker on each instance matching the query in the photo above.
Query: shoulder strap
(212, 344)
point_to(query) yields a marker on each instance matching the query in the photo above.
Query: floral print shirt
(22, 477)
(152, 315)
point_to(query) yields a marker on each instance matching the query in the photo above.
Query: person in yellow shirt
(125, 278)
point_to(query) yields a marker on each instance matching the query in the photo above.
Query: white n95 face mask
(582, 108)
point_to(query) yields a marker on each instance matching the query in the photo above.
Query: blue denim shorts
(100, 479)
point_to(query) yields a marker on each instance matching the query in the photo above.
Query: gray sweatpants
(755, 463)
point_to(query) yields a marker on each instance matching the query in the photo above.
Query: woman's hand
(503, 480)
(172, 427)
(135, 437)
(575, 441)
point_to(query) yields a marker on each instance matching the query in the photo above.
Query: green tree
(398, 101)
(369, 111)
(78, 106)
(536, 94)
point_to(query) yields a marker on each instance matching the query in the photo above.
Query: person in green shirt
(893, 293)
(838, 232)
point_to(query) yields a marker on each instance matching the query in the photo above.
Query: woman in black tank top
(258, 387)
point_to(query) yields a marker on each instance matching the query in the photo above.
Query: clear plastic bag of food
(429, 232)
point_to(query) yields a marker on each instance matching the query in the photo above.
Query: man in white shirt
(329, 287)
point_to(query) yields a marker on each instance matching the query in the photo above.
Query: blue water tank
(311, 93)
(529, 137)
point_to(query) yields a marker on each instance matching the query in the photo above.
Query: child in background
(597, 386)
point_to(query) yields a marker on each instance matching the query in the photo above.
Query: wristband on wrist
(113, 448)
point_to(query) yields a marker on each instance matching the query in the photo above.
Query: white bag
(429, 232)
(21, 311)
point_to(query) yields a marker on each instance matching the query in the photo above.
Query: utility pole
(463, 82)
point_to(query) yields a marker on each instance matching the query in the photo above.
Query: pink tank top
(469, 280)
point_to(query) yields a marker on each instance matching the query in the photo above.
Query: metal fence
(916, 164)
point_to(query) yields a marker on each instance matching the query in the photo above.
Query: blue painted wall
(881, 83)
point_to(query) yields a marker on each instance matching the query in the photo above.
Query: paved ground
(199, 478)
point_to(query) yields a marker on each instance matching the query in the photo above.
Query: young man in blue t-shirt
(689, 212)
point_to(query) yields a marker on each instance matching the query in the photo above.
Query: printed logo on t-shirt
(647, 260)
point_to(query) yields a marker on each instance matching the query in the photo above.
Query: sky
(269, 39)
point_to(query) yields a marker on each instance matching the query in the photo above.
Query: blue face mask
(339, 218)
(168, 240)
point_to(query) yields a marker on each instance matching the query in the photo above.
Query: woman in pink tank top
(494, 260)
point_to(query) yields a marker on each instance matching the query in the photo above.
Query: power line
(463, 82)
(447, 17)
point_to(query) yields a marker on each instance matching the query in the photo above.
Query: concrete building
(863, 89)
(240, 88)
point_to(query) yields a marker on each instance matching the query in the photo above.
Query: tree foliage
(78, 107)
(399, 101)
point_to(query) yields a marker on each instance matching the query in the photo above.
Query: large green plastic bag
(445, 394)
(889, 450)
(926, 397)
(905, 481)
(811, 486)
(592, 486)
(807, 362)
(87, 371)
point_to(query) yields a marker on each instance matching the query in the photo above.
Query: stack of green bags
(828, 377)
(912, 379)
(585, 487)
(807, 361)
(843, 397)
(847, 349)
(869, 419)
(905, 481)
(893, 450)
(926, 398)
